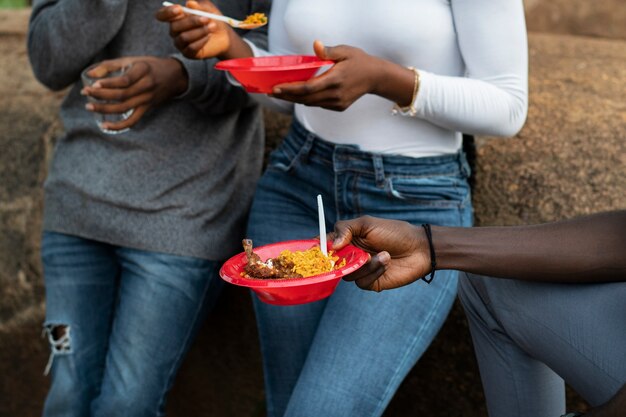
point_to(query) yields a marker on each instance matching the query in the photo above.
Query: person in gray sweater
(136, 224)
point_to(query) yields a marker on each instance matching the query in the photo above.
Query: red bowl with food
(261, 74)
(290, 291)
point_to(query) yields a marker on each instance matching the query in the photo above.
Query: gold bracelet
(410, 109)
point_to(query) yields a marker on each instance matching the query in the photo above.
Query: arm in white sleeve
(493, 99)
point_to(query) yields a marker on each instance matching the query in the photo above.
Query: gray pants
(529, 337)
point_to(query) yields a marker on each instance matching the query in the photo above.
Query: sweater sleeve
(64, 36)
(209, 88)
(493, 97)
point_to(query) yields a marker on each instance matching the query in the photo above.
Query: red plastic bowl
(260, 74)
(291, 291)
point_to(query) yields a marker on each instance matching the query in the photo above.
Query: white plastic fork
(322, 224)
(232, 22)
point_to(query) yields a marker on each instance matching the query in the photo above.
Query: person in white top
(378, 133)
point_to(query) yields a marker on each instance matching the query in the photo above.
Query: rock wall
(604, 18)
(569, 159)
(27, 124)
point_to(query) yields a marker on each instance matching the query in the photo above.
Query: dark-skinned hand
(148, 82)
(354, 74)
(400, 251)
(198, 37)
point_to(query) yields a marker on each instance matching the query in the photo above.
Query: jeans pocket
(435, 191)
(280, 161)
(289, 155)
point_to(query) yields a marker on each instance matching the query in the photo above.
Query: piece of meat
(273, 268)
(247, 247)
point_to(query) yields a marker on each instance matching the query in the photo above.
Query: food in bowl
(291, 291)
(288, 264)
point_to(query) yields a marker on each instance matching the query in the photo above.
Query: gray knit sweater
(181, 180)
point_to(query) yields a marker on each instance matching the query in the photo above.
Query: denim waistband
(306, 145)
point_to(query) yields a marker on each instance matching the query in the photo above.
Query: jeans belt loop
(306, 147)
(379, 170)
(464, 164)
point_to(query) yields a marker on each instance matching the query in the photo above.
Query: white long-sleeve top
(472, 56)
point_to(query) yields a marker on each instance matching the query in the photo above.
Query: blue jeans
(119, 322)
(530, 336)
(346, 355)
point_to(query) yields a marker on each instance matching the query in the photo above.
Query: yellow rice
(312, 261)
(255, 18)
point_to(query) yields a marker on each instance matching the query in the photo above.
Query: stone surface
(569, 159)
(604, 18)
(28, 124)
(14, 22)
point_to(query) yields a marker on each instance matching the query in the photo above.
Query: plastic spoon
(322, 221)
(238, 24)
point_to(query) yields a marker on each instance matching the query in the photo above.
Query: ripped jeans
(119, 321)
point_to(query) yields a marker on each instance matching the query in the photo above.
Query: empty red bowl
(291, 291)
(260, 74)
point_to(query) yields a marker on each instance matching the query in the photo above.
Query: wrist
(237, 47)
(397, 83)
(409, 108)
(380, 77)
(451, 246)
(178, 79)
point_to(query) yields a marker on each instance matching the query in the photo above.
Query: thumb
(320, 50)
(330, 53)
(103, 68)
(342, 235)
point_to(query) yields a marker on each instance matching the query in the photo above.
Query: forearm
(65, 36)
(238, 48)
(586, 249)
(208, 89)
(478, 107)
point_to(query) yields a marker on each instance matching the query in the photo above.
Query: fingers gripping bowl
(289, 291)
